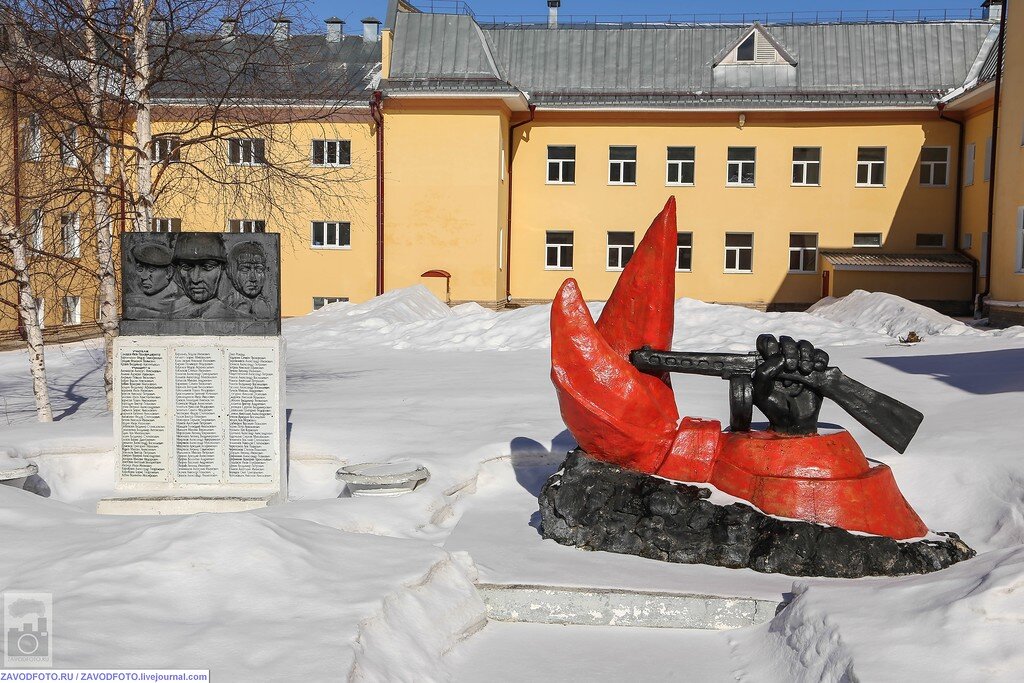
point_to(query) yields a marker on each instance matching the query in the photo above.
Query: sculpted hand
(789, 382)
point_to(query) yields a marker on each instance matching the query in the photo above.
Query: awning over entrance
(901, 263)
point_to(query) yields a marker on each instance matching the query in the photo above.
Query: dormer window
(745, 52)
(756, 47)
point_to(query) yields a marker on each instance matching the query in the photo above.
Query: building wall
(709, 209)
(289, 202)
(445, 196)
(1008, 242)
(975, 200)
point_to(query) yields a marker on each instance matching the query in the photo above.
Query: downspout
(957, 222)
(377, 113)
(992, 161)
(508, 228)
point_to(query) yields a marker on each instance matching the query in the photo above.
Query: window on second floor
(620, 249)
(871, 166)
(32, 139)
(621, 165)
(332, 234)
(807, 165)
(247, 151)
(558, 250)
(168, 148)
(332, 152)
(741, 166)
(739, 252)
(803, 252)
(681, 166)
(166, 225)
(935, 166)
(561, 164)
(69, 147)
(684, 251)
(71, 235)
(246, 225)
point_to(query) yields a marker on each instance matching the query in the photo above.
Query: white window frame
(801, 250)
(804, 165)
(559, 250)
(325, 300)
(679, 165)
(867, 246)
(69, 147)
(971, 156)
(618, 250)
(680, 248)
(561, 164)
(337, 163)
(166, 225)
(622, 165)
(871, 164)
(71, 239)
(72, 305)
(34, 139)
(247, 145)
(736, 250)
(37, 227)
(246, 226)
(740, 164)
(167, 149)
(931, 165)
(942, 245)
(337, 243)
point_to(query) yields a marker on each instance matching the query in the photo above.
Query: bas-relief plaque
(201, 283)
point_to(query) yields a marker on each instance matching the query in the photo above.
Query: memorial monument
(199, 421)
(796, 501)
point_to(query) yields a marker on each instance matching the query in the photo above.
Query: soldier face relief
(153, 279)
(200, 279)
(252, 273)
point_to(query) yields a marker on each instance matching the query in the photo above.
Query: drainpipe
(377, 113)
(979, 303)
(957, 223)
(508, 228)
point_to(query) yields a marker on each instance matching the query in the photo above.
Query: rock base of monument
(597, 506)
(161, 503)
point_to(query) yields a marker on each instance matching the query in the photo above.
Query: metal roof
(887, 64)
(852, 260)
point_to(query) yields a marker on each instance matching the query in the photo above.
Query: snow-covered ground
(330, 586)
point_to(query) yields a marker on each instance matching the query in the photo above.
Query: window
(558, 250)
(680, 166)
(71, 310)
(246, 225)
(108, 164)
(931, 239)
(69, 147)
(332, 234)
(684, 251)
(247, 151)
(622, 165)
(867, 239)
(166, 225)
(934, 166)
(803, 252)
(871, 166)
(561, 164)
(71, 234)
(33, 139)
(41, 312)
(807, 165)
(332, 153)
(741, 166)
(739, 252)
(966, 240)
(620, 249)
(745, 51)
(37, 229)
(971, 156)
(987, 170)
(321, 301)
(168, 149)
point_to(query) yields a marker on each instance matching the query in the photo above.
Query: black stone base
(597, 506)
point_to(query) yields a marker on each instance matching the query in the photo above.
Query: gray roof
(877, 261)
(852, 64)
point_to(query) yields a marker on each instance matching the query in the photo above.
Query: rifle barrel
(723, 365)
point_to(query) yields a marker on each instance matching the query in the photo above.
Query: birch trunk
(143, 131)
(27, 310)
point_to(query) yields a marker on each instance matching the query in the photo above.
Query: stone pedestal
(199, 424)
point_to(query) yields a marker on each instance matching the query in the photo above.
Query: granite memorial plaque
(201, 283)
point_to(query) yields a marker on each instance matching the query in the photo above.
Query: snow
(330, 586)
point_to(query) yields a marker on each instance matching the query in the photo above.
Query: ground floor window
(739, 252)
(246, 225)
(332, 234)
(321, 301)
(620, 249)
(803, 252)
(867, 239)
(166, 225)
(558, 250)
(72, 310)
(931, 239)
(684, 251)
